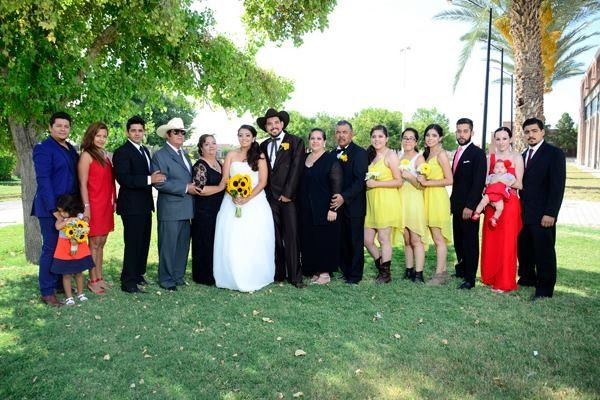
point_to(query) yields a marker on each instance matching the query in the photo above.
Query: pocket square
(466, 161)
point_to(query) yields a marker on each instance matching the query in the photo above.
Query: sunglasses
(177, 132)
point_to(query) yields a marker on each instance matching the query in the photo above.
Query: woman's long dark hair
(440, 132)
(254, 151)
(87, 144)
(371, 153)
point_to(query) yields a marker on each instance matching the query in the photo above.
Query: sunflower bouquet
(424, 169)
(76, 231)
(239, 185)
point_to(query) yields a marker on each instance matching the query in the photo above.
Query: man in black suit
(541, 197)
(285, 156)
(351, 203)
(469, 170)
(131, 163)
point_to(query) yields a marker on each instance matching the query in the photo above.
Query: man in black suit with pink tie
(468, 167)
(541, 197)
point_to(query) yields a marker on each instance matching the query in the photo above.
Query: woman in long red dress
(499, 244)
(97, 186)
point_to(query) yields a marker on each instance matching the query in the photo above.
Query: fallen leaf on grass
(298, 394)
(299, 353)
(137, 336)
(535, 353)
(34, 379)
(279, 338)
(97, 317)
(420, 320)
(377, 316)
(132, 385)
(255, 312)
(476, 322)
(142, 381)
(158, 292)
(268, 320)
(445, 341)
(397, 336)
(280, 395)
(358, 371)
(147, 356)
(106, 357)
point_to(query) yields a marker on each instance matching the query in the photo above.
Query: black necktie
(141, 148)
(338, 151)
(529, 157)
(274, 140)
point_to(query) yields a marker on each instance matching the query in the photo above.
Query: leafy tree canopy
(426, 116)
(364, 120)
(565, 135)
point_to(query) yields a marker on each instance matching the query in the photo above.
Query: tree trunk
(525, 29)
(24, 138)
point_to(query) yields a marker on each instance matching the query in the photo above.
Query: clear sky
(381, 53)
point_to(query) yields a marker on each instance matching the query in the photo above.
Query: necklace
(214, 165)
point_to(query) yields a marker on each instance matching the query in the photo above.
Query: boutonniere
(344, 157)
(285, 146)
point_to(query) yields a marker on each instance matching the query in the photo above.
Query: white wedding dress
(244, 250)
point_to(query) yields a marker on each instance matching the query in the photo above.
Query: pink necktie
(456, 158)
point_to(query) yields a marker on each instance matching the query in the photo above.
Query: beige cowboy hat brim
(175, 123)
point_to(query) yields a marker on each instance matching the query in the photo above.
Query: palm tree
(557, 26)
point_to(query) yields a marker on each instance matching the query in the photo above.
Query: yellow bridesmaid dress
(384, 204)
(413, 206)
(437, 202)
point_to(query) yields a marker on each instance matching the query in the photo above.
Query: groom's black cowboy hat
(271, 112)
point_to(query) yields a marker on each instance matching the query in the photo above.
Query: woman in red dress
(98, 193)
(499, 243)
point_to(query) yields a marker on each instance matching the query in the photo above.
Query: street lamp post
(404, 55)
(487, 72)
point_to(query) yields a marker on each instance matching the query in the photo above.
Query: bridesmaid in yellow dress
(413, 207)
(437, 202)
(383, 219)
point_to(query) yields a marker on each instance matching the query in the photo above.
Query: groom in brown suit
(285, 156)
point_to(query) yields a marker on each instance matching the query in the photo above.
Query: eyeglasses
(178, 132)
(409, 139)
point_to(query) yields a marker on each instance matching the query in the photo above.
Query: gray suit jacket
(173, 204)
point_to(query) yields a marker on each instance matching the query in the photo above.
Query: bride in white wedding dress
(244, 250)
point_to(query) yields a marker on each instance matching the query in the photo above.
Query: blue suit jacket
(55, 173)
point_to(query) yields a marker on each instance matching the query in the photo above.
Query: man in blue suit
(175, 205)
(55, 163)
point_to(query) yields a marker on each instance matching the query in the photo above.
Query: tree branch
(107, 36)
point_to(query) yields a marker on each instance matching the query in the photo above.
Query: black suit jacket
(354, 188)
(285, 174)
(131, 172)
(543, 184)
(469, 180)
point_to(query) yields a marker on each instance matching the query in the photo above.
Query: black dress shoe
(143, 282)
(170, 288)
(466, 285)
(525, 282)
(300, 285)
(351, 282)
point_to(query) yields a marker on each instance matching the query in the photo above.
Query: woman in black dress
(320, 230)
(207, 176)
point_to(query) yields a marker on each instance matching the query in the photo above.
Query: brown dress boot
(386, 275)
(51, 300)
(378, 266)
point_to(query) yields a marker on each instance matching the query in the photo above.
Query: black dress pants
(352, 258)
(537, 258)
(466, 245)
(136, 235)
(287, 254)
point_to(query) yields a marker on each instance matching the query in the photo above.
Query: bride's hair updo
(254, 151)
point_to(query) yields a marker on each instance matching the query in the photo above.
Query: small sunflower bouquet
(424, 169)
(76, 231)
(239, 185)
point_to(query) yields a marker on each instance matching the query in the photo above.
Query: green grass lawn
(10, 190)
(394, 341)
(581, 185)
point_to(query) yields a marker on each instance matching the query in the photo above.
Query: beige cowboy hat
(175, 123)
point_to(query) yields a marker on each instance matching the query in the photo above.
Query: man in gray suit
(175, 205)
